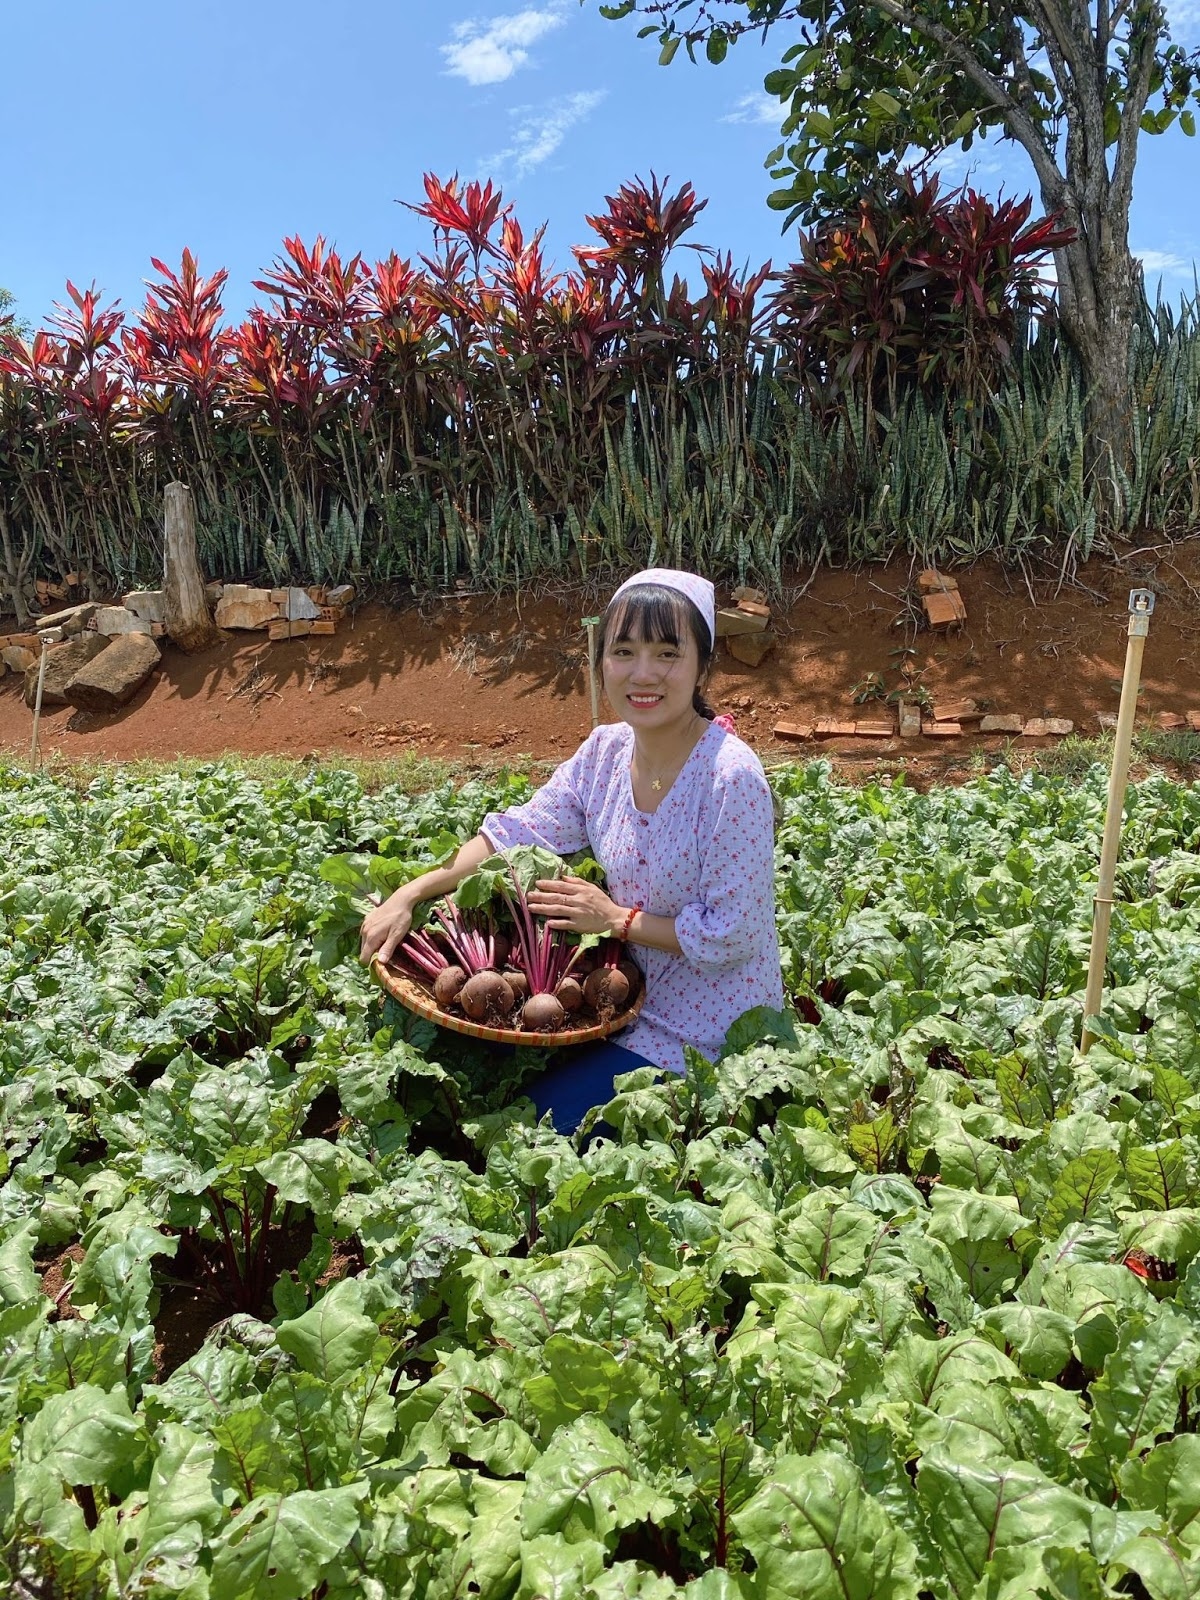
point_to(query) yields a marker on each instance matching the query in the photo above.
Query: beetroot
(517, 982)
(606, 990)
(631, 972)
(448, 985)
(569, 994)
(485, 996)
(542, 1013)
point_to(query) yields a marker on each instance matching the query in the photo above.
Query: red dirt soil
(472, 679)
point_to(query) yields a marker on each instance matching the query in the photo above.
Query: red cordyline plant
(915, 287)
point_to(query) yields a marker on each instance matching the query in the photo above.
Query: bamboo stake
(35, 754)
(591, 624)
(1141, 604)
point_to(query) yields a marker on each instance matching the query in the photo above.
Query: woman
(677, 811)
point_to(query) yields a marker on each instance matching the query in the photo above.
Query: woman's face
(649, 682)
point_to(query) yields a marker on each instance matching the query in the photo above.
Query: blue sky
(137, 127)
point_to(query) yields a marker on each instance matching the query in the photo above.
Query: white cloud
(1184, 19)
(490, 52)
(1163, 263)
(758, 108)
(539, 131)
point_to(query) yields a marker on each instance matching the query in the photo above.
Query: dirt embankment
(472, 678)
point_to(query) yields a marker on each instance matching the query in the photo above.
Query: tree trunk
(185, 603)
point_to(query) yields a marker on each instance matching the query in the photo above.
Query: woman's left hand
(576, 906)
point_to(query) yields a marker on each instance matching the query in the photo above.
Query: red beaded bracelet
(624, 933)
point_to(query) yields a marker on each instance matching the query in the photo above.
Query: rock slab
(17, 657)
(62, 663)
(116, 675)
(149, 604)
(115, 620)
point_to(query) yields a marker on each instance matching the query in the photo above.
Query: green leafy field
(296, 1300)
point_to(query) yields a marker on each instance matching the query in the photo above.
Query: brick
(910, 719)
(956, 711)
(872, 729)
(323, 626)
(941, 730)
(316, 593)
(757, 595)
(1169, 721)
(1193, 718)
(284, 628)
(944, 610)
(1001, 724)
(829, 728)
(735, 622)
(158, 630)
(751, 648)
(27, 641)
(1059, 726)
(793, 730)
(755, 608)
(932, 582)
(1035, 728)
(279, 596)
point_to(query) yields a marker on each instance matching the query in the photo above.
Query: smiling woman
(677, 810)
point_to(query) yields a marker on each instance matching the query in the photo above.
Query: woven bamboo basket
(414, 997)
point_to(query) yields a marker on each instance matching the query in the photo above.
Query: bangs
(649, 614)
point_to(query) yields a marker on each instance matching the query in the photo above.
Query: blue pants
(583, 1078)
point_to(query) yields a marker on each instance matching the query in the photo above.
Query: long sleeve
(731, 920)
(556, 816)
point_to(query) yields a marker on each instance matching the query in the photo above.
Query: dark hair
(651, 611)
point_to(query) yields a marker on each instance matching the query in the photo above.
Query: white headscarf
(694, 588)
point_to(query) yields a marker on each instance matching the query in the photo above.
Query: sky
(140, 127)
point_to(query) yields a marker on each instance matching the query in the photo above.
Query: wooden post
(35, 752)
(1141, 604)
(185, 613)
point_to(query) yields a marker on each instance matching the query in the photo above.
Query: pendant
(656, 784)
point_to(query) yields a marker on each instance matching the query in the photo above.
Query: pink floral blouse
(705, 857)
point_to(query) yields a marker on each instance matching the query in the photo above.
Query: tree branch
(1020, 124)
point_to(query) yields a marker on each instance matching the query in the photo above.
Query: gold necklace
(656, 783)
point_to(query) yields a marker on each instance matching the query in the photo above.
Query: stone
(115, 676)
(941, 730)
(114, 620)
(1106, 721)
(1001, 724)
(1059, 726)
(943, 610)
(300, 607)
(1193, 718)
(1035, 728)
(730, 623)
(51, 635)
(1169, 721)
(344, 593)
(212, 593)
(831, 728)
(246, 614)
(74, 619)
(17, 657)
(149, 604)
(874, 729)
(745, 593)
(63, 661)
(955, 711)
(793, 730)
(910, 719)
(751, 648)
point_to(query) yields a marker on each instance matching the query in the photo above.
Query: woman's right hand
(384, 929)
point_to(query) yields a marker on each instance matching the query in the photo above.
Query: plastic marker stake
(1141, 604)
